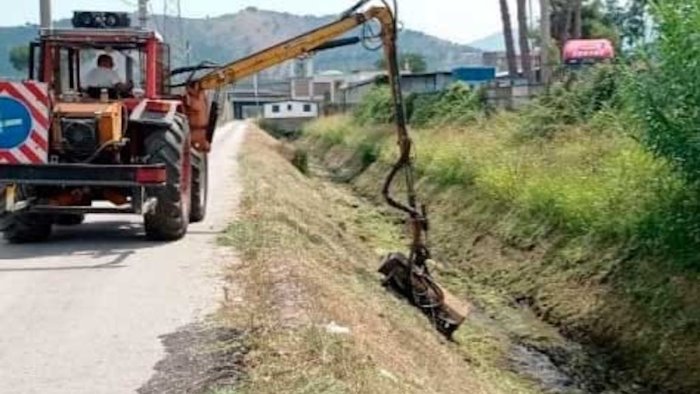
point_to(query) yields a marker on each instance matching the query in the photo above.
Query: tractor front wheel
(170, 146)
(200, 181)
(21, 228)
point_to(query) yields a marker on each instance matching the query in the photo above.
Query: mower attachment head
(415, 283)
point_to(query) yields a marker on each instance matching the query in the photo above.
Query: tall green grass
(604, 184)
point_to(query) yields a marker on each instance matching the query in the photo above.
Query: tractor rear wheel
(69, 219)
(170, 146)
(19, 228)
(200, 184)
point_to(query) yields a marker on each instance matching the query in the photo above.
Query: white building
(290, 110)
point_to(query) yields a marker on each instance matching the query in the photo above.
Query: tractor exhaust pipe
(45, 14)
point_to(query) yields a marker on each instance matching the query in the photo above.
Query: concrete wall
(426, 83)
(512, 97)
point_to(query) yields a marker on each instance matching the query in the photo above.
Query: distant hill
(495, 42)
(229, 37)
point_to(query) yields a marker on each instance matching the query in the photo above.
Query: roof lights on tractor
(101, 20)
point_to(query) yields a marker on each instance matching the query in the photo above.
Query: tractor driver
(104, 76)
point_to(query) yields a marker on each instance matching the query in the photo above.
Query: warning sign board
(24, 122)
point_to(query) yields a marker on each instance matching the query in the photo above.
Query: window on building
(275, 109)
(289, 107)
(307, 107)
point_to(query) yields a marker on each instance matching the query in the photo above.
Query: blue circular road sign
(15, 123)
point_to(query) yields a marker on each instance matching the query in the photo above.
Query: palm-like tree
(508, 37)
(525, 57)
(546, 39)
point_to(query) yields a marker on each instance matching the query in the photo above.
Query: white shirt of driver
(100, 77)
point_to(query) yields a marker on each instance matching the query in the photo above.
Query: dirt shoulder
(311, 301)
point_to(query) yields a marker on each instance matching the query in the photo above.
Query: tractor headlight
(79, 136)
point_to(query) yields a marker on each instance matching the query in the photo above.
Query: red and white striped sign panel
(24, 122)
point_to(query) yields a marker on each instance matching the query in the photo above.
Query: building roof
(375, 78)
(292, 101)
(331, 73)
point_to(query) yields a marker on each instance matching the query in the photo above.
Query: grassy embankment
(579, 222)
(309, 251)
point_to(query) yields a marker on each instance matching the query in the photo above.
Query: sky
(460, 21)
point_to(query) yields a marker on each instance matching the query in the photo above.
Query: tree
(525, 56)
(601, 20)
(508, 37)
(545, 40)
(562, 18)
(634, 28)
(409, 61)
(19, 57)
(578, 18)
(414, 62)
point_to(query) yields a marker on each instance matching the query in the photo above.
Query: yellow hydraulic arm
(408, 274)
(298, 46)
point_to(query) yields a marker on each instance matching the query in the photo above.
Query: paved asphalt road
(83, 312)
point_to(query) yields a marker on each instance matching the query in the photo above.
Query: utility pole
(143, 13)
(45, 14)
(546, 40)
(165, 21)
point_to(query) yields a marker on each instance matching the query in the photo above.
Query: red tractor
(68, 148)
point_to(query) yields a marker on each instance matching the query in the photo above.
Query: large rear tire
(200, 184)
(170, 146)
(69, 219)
(19, 228)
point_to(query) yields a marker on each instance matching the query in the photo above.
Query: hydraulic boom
(407, 274)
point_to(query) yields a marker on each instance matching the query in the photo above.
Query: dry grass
(310, 251)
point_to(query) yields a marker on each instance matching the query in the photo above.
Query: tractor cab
(63, 58)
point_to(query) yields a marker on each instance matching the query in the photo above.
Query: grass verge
(309, 252)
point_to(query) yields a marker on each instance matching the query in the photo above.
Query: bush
(421, 108)
(300, 160)
(665, 95)
(330, 131)
(376, 107)
(573, 102)
(458, 105)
